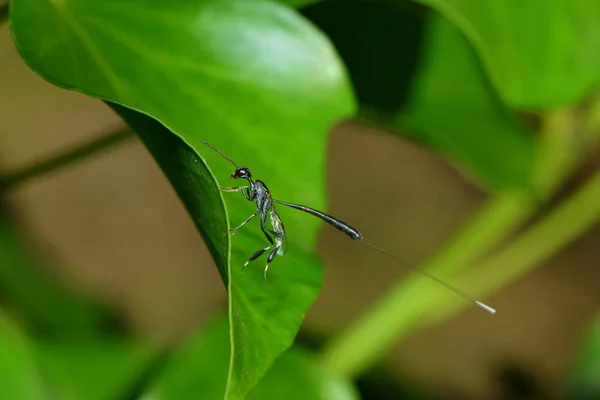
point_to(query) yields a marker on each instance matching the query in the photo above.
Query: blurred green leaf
(19, 375)
(298, 375)
(584, 382)
(297, 3)
(44, 303)
(199, 370)
(454, 109)
(380, 43)
(401, 57)
(539, 54)
(78, 359)
(102, 368)
(251, 77)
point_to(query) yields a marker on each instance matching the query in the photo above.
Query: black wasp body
(257, 191)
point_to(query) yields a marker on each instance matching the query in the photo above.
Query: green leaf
(19, 374)
(252, 78)
(45, 304)
(265, 315)
(298, 375)
(199, 370)
(584, 382)
(454, 109)
(539, 54)
(380, 43)
(298, 3)
(103, 368)
(406, 57)
(252, 301)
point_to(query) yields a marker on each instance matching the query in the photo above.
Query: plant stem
(558, 154)
(562, 226)
(397, 311)
(408, 302)
(544, 239)
(64, 158)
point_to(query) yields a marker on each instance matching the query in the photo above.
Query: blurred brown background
(116, 228)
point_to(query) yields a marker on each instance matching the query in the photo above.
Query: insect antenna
(220, 153)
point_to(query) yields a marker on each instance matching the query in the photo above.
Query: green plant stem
(404, 305)
(396, 312)
(537, 244)
(558, 154)
(544, 239)
(563, 225)
(64, 158)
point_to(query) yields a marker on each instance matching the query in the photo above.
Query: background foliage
(505, 91)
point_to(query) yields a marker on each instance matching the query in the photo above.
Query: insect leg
(233, 188)
(276, 234)
(269, 238)
(255, 256)
(246, 191)
(266, 231)
(246, 221)
(270, 258)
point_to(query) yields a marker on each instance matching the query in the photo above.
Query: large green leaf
(251, 77)
(19, 374)
(264, 315)
(539, 54)
(453, 108)
(584, 382)
(199, 370)
(251, 300)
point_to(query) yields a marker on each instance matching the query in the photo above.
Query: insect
(257, 191)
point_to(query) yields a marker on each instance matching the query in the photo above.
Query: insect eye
(240, 173)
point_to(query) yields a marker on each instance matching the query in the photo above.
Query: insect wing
(278, 227)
